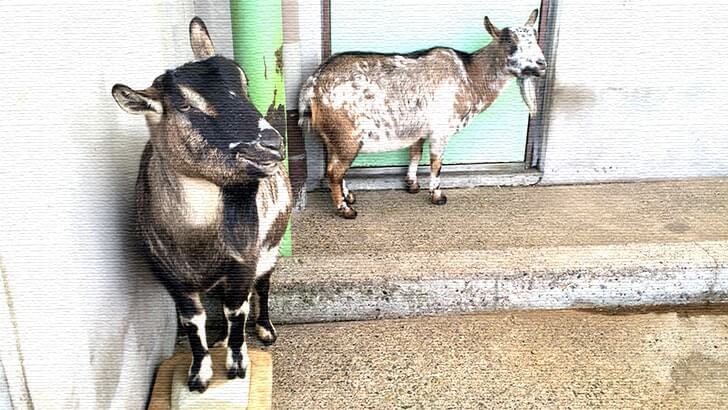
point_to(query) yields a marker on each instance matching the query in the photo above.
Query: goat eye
(184, 107)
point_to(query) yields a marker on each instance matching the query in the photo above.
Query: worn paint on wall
(635, 93)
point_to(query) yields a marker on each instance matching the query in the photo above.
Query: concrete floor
(496, 218)
(491, 249)
(537, 359)
(507, 248)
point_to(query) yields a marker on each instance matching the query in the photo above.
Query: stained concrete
(538, 359)
(507, 248)
(511, 217)
(637, 244)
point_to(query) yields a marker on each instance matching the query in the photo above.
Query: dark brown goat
(213, 199)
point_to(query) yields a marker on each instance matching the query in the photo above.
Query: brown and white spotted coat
(212, 198)
(369, 102)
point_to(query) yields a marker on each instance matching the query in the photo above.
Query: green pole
(258, 45)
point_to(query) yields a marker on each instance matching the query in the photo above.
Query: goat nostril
(270, 138)
(541, 64)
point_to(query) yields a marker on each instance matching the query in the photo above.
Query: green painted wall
(257, 27)
(498, 134)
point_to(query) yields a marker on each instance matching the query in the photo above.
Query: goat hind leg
(415, 154)
(335, 171)
(348, 195)
(263, 327)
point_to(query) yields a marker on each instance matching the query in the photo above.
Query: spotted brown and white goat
(370, 102)
(212, 197)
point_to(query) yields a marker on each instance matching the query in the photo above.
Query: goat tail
(305, 103)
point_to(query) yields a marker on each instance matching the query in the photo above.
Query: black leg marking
(237, 307)
(236, 344)
(192, 317)
(263, 327)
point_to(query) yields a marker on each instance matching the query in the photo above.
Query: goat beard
(528, 93)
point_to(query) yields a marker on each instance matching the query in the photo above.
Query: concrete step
(508, 360)
(507, 248)
(393, 285)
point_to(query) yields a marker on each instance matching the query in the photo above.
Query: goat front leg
(415, 154)
(236, 305)
(437, 148)
(192, 316)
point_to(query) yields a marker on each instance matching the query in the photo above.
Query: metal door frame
(525, 172)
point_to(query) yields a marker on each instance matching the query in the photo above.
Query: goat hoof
(266, 333)
(439, 200)
(195, 383)
(350, 198)
(347, 213)
(413, 188)
(237, 364)
(235, 371)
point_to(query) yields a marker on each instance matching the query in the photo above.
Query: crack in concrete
(716, 270)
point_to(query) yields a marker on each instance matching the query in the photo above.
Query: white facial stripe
(196, 100)
(264, 125)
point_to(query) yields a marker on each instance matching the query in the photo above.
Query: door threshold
(451, 176)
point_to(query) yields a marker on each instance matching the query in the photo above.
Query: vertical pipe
(257, 27)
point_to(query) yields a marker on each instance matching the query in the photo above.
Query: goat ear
(491, 29)
(137, 102)
(532, 18)
(200, 40)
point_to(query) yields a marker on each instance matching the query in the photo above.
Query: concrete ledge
(453, 176)
(507, 248)
(359, 287)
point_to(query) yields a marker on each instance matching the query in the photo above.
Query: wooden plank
(260, 378)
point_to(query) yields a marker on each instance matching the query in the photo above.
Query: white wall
(638, 91)
(301, 45)
(216, 15)
(91, 323)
